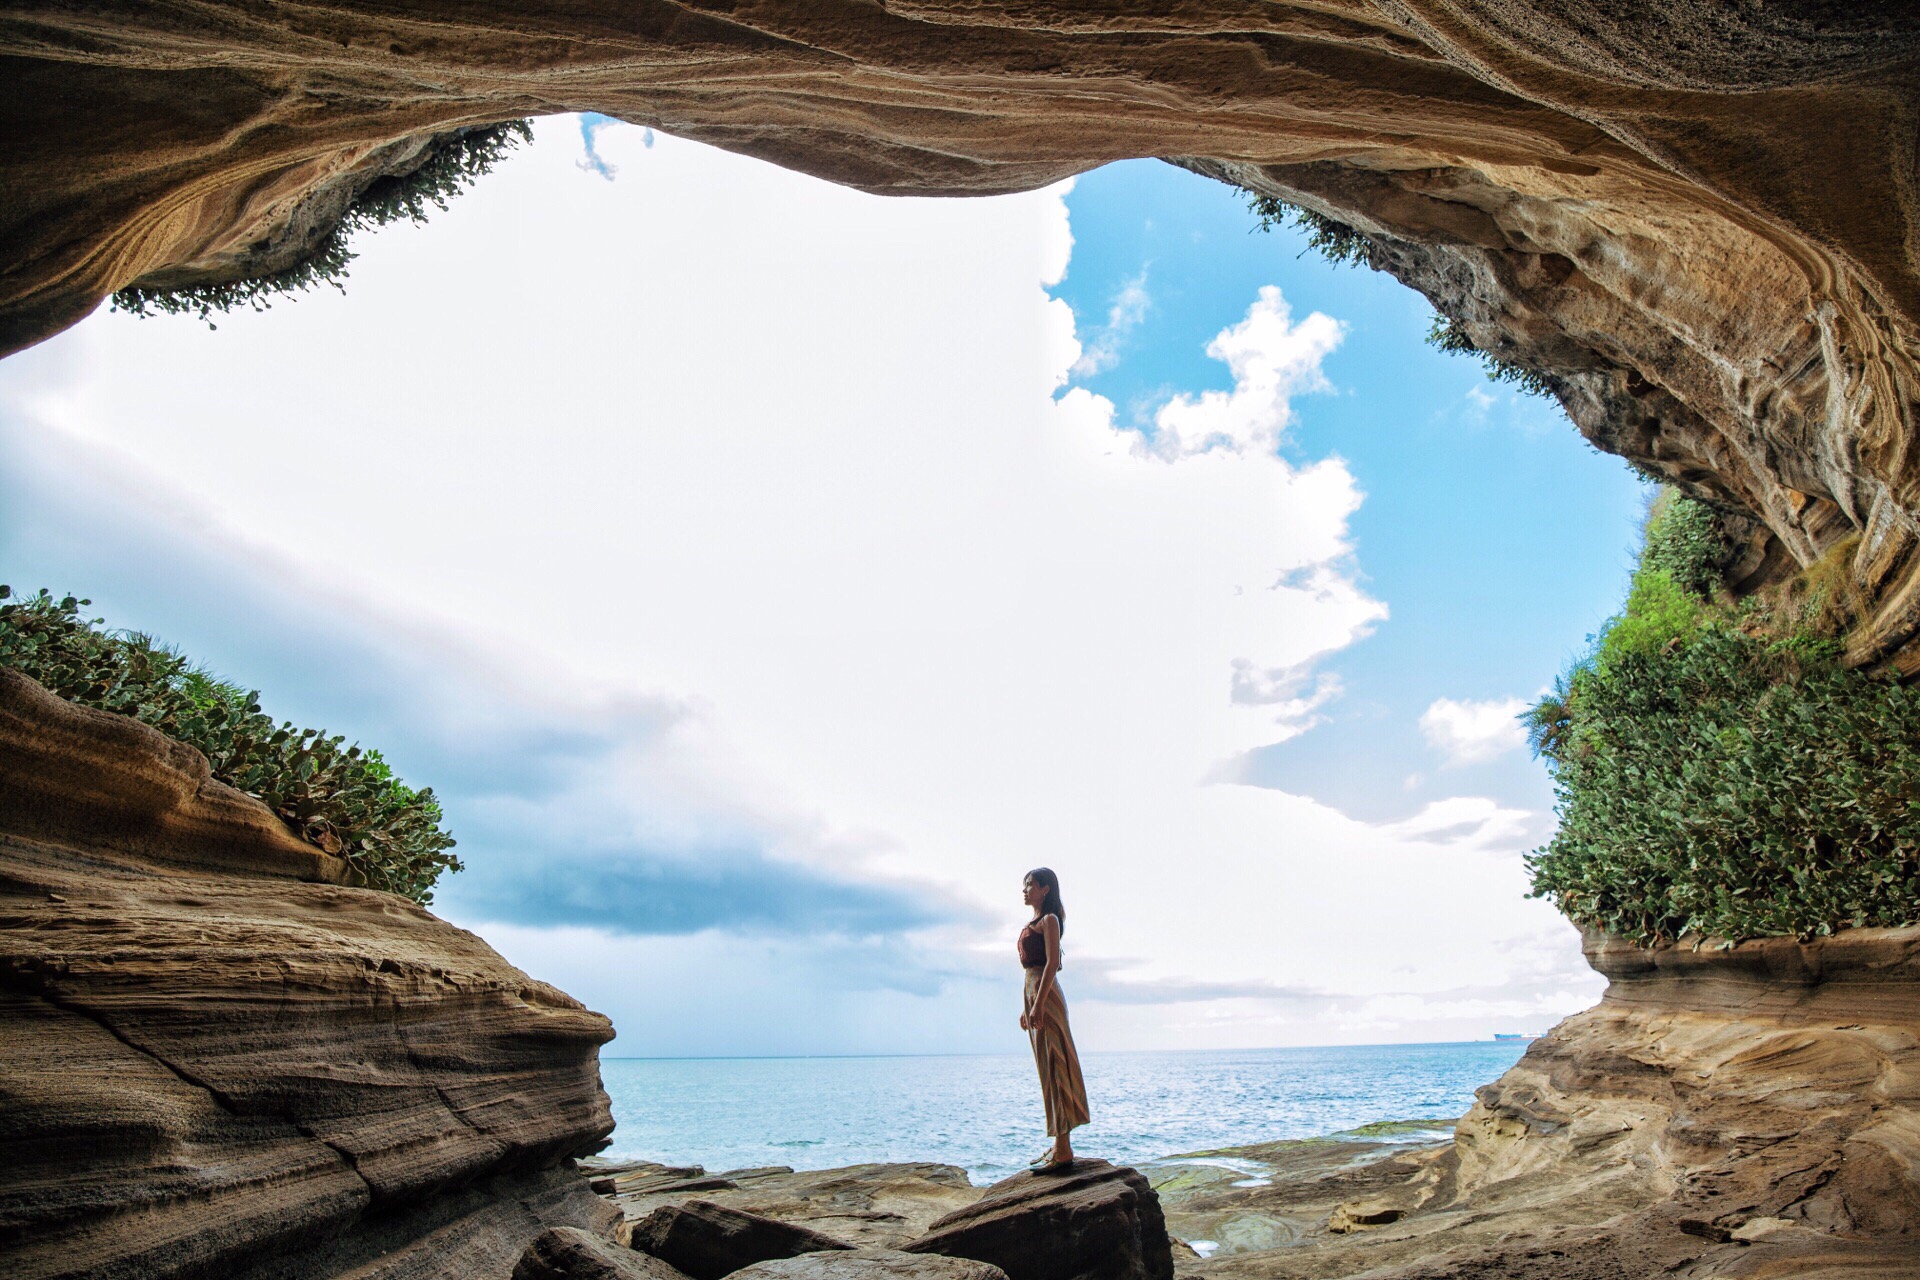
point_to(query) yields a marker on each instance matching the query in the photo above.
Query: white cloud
(1129, 308)
(1272, 359)
(1469, 732)
(790, 457)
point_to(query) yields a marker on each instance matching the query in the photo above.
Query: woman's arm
(1050, 932)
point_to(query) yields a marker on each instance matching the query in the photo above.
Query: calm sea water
(983, 1112)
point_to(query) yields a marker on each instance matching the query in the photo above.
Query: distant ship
(1516, 1035)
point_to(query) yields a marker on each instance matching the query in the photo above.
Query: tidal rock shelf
(1089, 1221)
(1752, 1111)
(865, 1205)
(217, 1063)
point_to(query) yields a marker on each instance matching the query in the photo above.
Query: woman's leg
(1061, 1087)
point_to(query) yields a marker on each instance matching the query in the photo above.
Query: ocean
(983, 1112)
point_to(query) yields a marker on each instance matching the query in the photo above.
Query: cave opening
(1650, 226)
(923, 497)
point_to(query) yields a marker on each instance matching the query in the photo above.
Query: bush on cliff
(452, 165)
(1720, 771)
(1335, 241)
(1343, 245)
(338, 797)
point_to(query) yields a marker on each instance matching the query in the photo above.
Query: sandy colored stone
(709, 1241)
(1753, 1111)
(869, 1205)
(871, 1264)
(245, 1070)
(1090, 1220)
(1373, 1211)
(73, 775)
(568, 1253)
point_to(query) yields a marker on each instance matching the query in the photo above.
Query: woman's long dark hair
(1050, 905)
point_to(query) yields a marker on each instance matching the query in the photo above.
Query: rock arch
(1702, 220)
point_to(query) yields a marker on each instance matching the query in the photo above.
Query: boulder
(568, 1253)
(707, 1241)
(1090, 1221)
(868, 1206)
(871, 1264)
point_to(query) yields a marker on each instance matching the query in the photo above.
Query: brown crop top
(1032, 946)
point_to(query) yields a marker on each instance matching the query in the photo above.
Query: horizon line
(1085, 1053)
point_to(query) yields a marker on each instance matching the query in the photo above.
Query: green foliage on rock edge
(1720, 771)
(1333, 240)
(1343, 245)
(339, 798)
(449, 169)
(1447, 334)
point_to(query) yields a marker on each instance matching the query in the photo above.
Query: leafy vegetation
(1719, 770)
(1686, 540)
(1335, 241)
(1343, 245)
(1447, 334)
(340, 798)
(449, 169)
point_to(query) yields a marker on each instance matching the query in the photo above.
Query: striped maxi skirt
(1061, 1089)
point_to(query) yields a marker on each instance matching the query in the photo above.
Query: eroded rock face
(568, 1253)
(1090, 1221)
(1701, 220)
(866, 1205)
(216, 1063)
(871, 1264)
(708, 1241)
(1749, 1112)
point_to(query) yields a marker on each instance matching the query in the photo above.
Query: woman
(1045, 1018)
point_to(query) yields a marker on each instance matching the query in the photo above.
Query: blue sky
(767, 575)
(1499, 539)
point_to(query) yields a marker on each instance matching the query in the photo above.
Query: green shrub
(1660, 614)
(454, 163)
(1686, 540)
(1447, 334)
(1713, 778)
(1344, 245)
(1335, 241)
(344, 800)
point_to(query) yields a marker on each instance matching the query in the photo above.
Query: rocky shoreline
(1217, 1204)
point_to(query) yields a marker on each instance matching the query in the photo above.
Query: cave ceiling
(1700, 221)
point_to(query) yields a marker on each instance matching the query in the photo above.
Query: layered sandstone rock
(568, 1253)
(217, 1063)
(708, 1241)
(866, 1205)
(1088, 1221)
(871, 1264)
(1749, 1112)
(1699, 220)
(1096, 1220)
